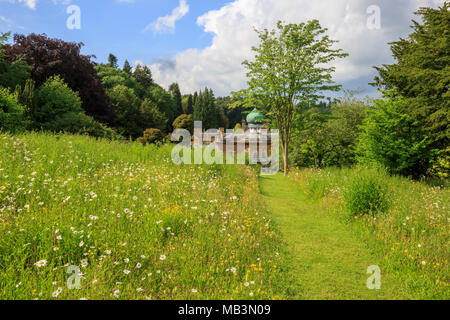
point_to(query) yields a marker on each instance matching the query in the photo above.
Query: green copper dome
(255, 117)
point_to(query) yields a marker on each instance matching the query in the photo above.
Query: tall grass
(409, 230)
(366, 193)
(137, 226)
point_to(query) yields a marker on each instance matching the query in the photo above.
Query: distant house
(253, 139)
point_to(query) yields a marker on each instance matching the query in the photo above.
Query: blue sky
(200, 43)
(113, 26)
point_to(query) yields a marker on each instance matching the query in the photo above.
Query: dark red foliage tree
(48, 57)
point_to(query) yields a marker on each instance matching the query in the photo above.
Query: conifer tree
(127, 67)
(112, 61)
(174, 90)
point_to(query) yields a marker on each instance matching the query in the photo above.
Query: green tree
(200, 107)
(289, 70)
(391, 137)
(233, 110)
(12, 114)
(311, 143)
(143, 76)
(327, 134)
(211, 114)
(174, 90)
(127, 67)
(55, 98)
(126, 106)
(421, 73)
(15, 73)
(222, 119)
(188, 104)
(165, 103)
(347, 116)
(49, 57)
(205, 110)
(58, 108)
(113, 61)
(151, 117)
(194, 99)
(112, 77)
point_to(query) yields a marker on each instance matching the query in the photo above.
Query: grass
(409, 239)
(136, 225)
(330, 263)
(139, 227)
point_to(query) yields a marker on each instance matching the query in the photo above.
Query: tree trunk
(285, 159)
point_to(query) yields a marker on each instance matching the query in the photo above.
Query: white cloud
(219, 65)
(166, 24)
(29, 3)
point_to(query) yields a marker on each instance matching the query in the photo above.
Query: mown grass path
(327, 260)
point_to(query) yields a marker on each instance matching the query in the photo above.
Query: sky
(202, 43)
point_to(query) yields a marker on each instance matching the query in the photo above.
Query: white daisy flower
(56, 293)
(41, 263)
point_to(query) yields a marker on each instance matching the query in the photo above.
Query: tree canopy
(391, 137)
(174, 90)
(292, 66)
(12, 73)
(49, 57)
(421, 73)
(113, 61)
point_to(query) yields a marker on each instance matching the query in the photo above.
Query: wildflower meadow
(409, 234)
(123, 222)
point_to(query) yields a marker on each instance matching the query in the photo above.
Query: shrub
(366, 193)
(12, 114)
(441, 166)
(392, 138)
(79, 123)
(151, 136)
(184, 122)
(54, 98)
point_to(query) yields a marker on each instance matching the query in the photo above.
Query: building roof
(255, 117)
